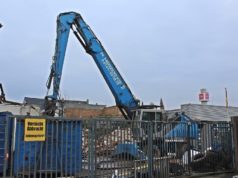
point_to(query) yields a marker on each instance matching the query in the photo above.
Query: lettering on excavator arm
(121, 92)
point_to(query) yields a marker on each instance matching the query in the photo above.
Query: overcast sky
(166, 49)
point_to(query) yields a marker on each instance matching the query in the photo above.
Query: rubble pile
(105, 144)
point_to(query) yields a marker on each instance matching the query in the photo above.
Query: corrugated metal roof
(209, 112)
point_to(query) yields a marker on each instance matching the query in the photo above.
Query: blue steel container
(61, 152)
(5, 141)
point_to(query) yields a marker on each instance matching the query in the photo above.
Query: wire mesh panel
(215, 151)
(155, 149)
(115, 148)
(119, 148)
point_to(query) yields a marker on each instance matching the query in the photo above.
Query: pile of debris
(106, 143)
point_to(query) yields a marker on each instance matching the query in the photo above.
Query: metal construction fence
(56, 147)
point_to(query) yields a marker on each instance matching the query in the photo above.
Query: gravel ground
(214, 175)
(230, 175)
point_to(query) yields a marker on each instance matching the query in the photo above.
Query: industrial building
(201, 112)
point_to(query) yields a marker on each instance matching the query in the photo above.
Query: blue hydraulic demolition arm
(121, 92)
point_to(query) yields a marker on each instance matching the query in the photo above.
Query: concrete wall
(20, 109)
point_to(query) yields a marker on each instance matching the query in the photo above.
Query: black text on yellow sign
(34, 130)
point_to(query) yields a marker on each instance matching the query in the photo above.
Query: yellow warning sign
(34, 130)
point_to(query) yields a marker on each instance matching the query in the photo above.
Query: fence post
(6, 143)
(233, 142)
(13, 141)
(189, 147)
(91, 145)
(150, 149)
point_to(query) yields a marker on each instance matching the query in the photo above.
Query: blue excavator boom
(120, 90)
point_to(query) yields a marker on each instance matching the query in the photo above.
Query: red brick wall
(112, 111)
(81, 113)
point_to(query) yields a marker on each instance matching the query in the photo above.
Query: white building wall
(20, 109)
